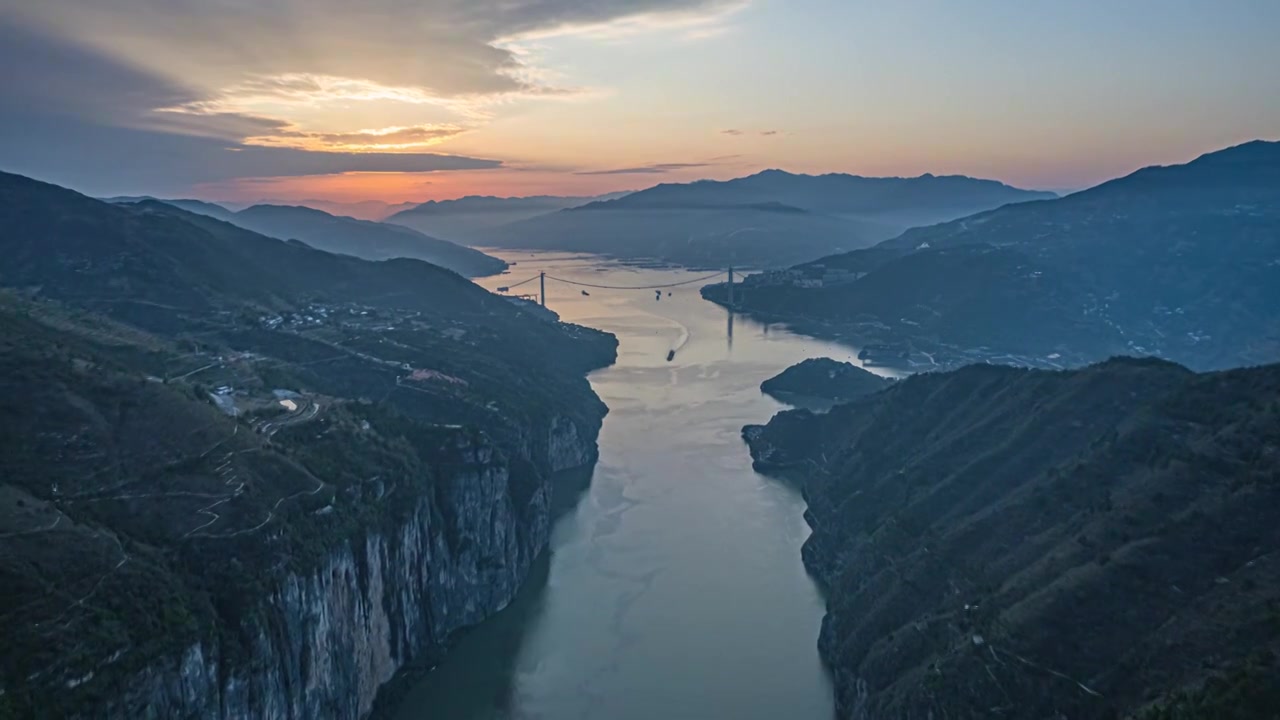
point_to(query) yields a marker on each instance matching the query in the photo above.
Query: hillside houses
(803, 276)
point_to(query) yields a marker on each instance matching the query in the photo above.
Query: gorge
(674, 586)
(243, 477)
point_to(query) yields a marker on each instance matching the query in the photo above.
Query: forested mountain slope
(1096, 543)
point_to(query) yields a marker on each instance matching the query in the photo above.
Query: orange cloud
(391, 139)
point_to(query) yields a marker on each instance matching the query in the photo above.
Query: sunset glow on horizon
(401, 101)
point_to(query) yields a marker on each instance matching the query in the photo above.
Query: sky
(410, 100)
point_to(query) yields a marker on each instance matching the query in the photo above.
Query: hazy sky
(417, 99)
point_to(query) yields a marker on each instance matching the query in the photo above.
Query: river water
(673, 587)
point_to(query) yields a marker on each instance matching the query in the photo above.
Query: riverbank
(1046, 543)
(897, 350)
(675, 587)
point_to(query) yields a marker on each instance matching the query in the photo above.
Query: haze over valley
(1177, 262)
(639, 359)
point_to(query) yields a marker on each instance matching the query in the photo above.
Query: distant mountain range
(469, 219)
(375, 210)
(1000, 542)
(346, 235)
(1181, 262)
(922, 200)
(770, 219)
(767, 220)
(202, 207)
(370, 240)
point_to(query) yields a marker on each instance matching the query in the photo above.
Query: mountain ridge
(1094, 543)
(467, 202)
(351, 236)
(471, 219)
(766, 220)
(1178, 261)
(167, 379)
(835, 192)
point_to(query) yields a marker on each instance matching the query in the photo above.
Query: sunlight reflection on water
(674, 588)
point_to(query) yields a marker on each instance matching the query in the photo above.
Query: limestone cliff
(323, 642)
(373, 471)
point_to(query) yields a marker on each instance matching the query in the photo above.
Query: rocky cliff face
(322, 643)
(373, 474)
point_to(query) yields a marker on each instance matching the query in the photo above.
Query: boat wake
(680, 342)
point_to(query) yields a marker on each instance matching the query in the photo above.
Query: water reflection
(455, 689)
(674, 586)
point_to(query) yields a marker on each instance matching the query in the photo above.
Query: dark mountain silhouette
(468, 219)
(196, 206)
(914, 201)
(154, 261)
(1181, 262)
(362, 238)
(994, 541)
(201, 207)
(823, 379)
(770, 219)
(375, 210)
(349, 236)
(367, 210)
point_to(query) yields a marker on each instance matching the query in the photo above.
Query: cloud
(448, 48)
(76, 117)
(656, 169)
(707, 32)
(621, 19)
(228, 126)
(294, 93)
(279, 78)
(107, 160)
(738, 133)
(390, 139)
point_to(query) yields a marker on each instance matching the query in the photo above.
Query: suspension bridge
(542, 279)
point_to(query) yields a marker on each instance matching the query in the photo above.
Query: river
(673, 587)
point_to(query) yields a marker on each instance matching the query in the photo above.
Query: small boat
(671, 355)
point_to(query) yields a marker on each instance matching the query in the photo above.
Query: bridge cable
(522, 282)
(638, 287)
